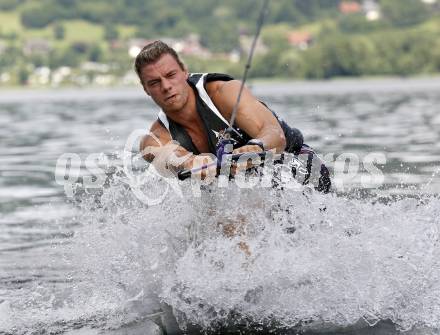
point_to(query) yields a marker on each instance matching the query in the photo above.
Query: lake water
(365, 258)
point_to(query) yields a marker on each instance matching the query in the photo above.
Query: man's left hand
(241, 150)
(247, 148)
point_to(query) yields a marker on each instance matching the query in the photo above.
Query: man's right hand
(167, 159)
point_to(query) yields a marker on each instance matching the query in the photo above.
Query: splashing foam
(278, 258)
(268, 257)
(314, 259)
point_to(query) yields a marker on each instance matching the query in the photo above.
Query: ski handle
(185, 174)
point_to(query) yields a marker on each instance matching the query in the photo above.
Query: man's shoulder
(220, 88)
(213, 87)
(158, 125)
(212, 82)
(211, 76)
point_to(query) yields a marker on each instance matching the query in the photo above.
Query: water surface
(104, 262)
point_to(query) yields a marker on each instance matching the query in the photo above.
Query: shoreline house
(301, 40)
(190, 46)
(370, 8)
(350, 7)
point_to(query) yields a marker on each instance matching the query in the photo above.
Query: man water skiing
(195, 109)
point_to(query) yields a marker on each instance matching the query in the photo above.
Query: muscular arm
(252, 116)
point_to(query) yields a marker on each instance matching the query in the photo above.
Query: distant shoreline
(344, 85)
(260, 86)
(435, 76)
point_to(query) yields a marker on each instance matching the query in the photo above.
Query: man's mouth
(170, 97)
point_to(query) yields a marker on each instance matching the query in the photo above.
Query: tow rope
(248, 64)
(226, 143)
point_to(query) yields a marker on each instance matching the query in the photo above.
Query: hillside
(301, 39)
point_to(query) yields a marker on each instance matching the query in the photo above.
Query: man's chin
(172, 105)
(171, 108)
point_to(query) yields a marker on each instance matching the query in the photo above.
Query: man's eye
(172, 74)
(154, 83)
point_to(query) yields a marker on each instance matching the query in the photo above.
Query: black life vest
(214, 122)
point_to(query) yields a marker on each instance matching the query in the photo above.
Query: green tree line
(401, 53)
(177, 18)
(400, 43)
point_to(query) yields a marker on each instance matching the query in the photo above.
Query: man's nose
(166, 84)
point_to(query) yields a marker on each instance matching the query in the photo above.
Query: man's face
(166, 83)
